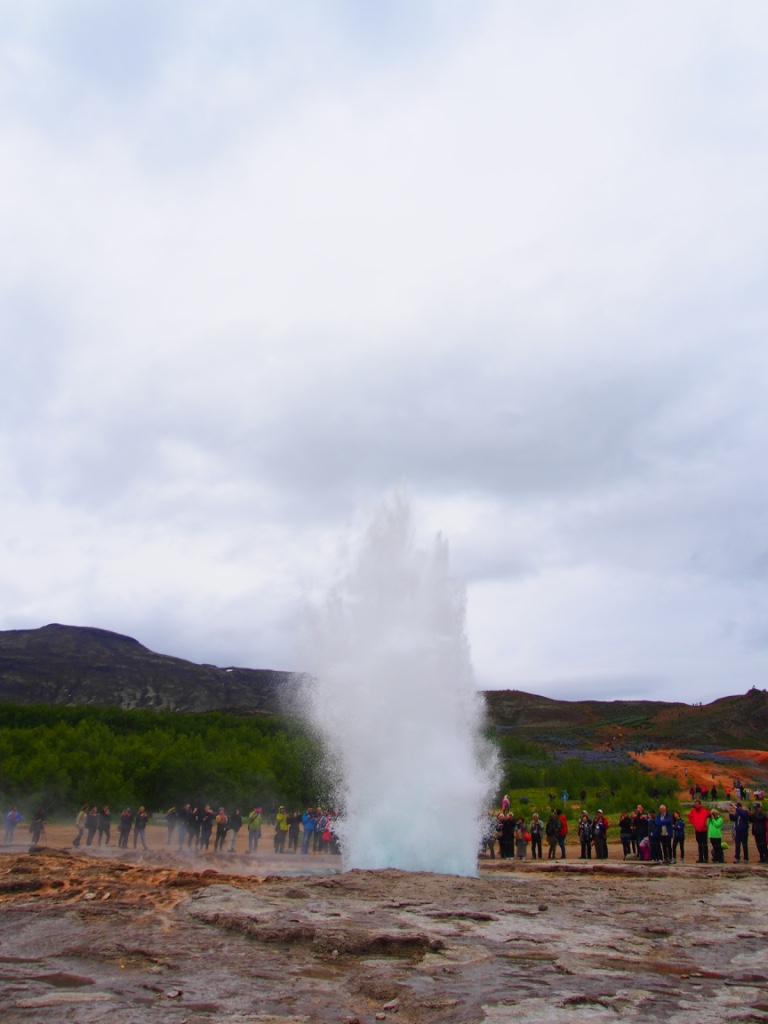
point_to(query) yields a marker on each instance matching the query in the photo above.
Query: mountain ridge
(71, 665)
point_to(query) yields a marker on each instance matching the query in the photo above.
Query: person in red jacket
(562, 832)
(698, 817)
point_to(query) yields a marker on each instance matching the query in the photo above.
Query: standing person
(551, 830)
(562, 831)
(678, 836)
(715, 833)
(222, 824)
(124, 826)
(488, 838)
(633, 833)
(140, 827)
(253, 824)
(80, 820)
(12, 819)
(740, 817)
(91, 825)
(521, 839)
(536, 831)
(699, 818)
(195, 823)
(38, 826)
(205, 826)
(626, 834)
(171, 821)
(327, 836)
(600, 828)
(585, 836)
(654, 833)
(281, 829)
(640, 821)
(321, 820)
(182, 823)
(507, 841)
(308, 821)
(294, 828)
(105, 825)
(664, 828)
(235, 824)
(757, 817)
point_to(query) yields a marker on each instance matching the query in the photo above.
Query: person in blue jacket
(663, 830)
(308, 821)
(678, 836)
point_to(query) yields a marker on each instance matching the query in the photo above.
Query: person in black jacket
(536, 830)
(507, 841)
(105, 824)
(585, 836)
(640, 822)
(757, 817)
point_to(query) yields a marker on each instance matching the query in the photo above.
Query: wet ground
(140, 937)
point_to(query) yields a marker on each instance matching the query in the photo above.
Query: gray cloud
(260, 269)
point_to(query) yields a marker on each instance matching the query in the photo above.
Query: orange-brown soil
(758, 756)
(703, 771)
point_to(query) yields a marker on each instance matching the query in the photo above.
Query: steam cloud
(394, 701)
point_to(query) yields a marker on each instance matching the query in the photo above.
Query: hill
(736, 721)
(81, 665)
(71, 665)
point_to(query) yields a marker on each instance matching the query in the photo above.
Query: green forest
(63, 757)
(59, 758)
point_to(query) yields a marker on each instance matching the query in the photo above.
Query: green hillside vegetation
(531, 775)
(62, 757)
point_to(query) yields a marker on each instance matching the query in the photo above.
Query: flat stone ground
(130, 937)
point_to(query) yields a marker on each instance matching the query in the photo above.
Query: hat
(599, 811)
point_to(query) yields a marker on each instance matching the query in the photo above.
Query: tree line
(62, 757)
(58, 758)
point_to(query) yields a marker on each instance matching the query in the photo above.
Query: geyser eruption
(394, 702)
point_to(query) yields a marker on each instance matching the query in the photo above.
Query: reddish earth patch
(759, 756)
(702, 771)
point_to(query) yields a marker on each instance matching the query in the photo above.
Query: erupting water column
(394, 701)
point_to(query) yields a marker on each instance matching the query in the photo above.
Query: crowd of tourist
(313, 831)
(646, 835)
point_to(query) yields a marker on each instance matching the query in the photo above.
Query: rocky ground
(148, 937)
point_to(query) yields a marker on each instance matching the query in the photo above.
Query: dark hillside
(73, 665)
(737, 721)
(81, 665)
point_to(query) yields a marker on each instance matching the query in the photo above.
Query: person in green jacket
(253, 821)
(281, 829)
(715, 833)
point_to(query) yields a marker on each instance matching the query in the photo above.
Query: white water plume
(394, 702)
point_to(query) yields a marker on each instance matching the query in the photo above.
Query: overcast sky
(263, 264)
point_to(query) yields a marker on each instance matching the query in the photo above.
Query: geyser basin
(394, 702)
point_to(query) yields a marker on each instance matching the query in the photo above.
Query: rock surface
(87, 939)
